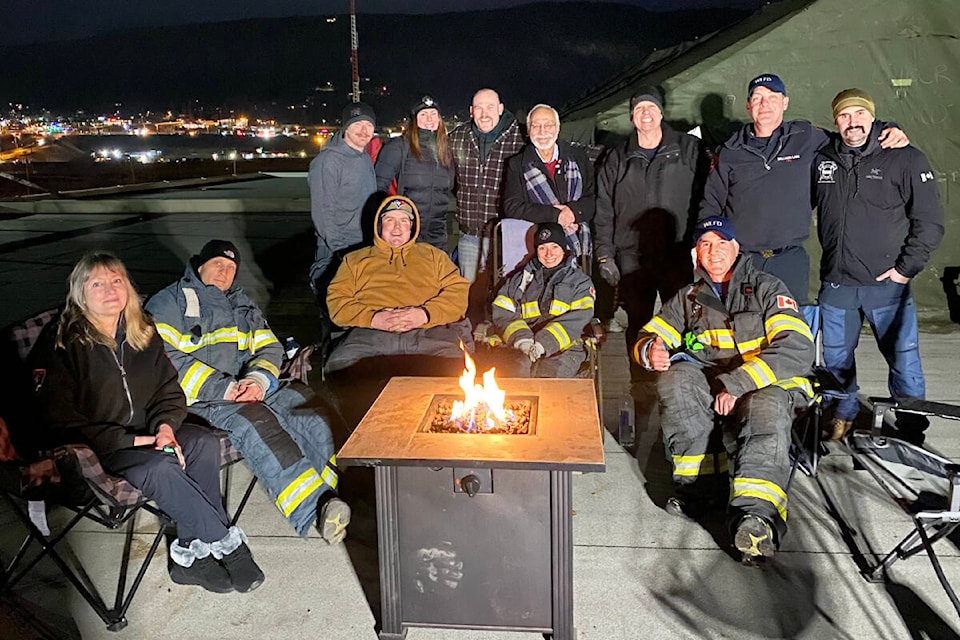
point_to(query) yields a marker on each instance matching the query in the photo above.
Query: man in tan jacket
(400, 297)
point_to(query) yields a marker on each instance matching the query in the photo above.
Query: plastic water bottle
(291, 347)
(627, 430)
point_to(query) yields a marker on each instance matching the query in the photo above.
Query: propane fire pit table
(475, 520)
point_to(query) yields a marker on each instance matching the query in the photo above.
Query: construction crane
(354, 63)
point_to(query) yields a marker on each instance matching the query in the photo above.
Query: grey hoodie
(341, 180)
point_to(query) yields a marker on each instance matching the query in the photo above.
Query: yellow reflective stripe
(530, 309)
(719, 338)
(185, 342)
(694, 466)
(193, 380)
(505, 303)
(782, 322)
(266, 365)
(513, 327)
(658, 326)
(586, 302)
(557, 331)
(797, 383)
(330, 477)
(751, 348)
(558, 307)
(263, 337)
(763, 490)
(759, 372)
(298, 491)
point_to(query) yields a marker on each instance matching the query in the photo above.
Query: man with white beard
(550, 180)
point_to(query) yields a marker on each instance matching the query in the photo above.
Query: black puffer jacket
(646, 207)
(427, 182)
(875, 210)
(85, 395)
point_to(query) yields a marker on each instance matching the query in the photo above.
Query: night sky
(30, 21)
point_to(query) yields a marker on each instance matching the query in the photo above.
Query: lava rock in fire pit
(518, 419)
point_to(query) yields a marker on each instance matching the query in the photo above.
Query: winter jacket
(341, 180)
(525, 171)
(414, 274)
(104, 397)
(875, 210)
(427, 182)
(553, 310)
(646, 207)
(215, 338)
(758, 338)
(766, 196)
(479, 181)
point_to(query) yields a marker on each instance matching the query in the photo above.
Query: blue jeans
(892, 315)
(472, 255)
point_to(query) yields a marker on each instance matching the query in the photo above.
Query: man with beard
(481, 148)
(550, 180)
(760, 180)
(879, 219)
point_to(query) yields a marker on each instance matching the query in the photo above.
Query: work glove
(524, 345)
(609, 271)
(536, 352)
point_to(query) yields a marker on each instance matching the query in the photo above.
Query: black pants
(190, 496)
(791, 265)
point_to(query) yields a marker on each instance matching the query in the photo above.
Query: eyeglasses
(541, 126)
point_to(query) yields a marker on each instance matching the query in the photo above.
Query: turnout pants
(190, 496)
(756, 437)
(286, 442)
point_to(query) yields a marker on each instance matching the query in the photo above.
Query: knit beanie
(853, 98)
(646, 94)
(217, 249)
(549, 232)
(426, 102)
(355, 112)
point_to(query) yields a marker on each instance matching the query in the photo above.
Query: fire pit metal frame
(568, 438)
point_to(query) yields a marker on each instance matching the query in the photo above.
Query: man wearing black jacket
(647, 192)
(879, 220)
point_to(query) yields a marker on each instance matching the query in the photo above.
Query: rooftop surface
(637, 571)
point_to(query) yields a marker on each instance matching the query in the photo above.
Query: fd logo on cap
(356, 111)
(544, 234)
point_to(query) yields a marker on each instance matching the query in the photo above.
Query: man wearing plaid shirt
(481, 148)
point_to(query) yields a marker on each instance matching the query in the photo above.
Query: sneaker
(333, 520)
(837, 428)
(244, 573)
(754, 537)
(204, 572)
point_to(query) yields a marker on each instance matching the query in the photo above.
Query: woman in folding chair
(542, 310)
(103, 379)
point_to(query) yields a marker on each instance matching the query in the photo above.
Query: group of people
(731, 339)
(736, 320)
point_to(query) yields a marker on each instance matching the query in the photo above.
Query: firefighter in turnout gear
(543, 309)
(734, 344)
(228, 361)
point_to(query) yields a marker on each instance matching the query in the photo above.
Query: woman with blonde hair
(104, 380)
(421, 162)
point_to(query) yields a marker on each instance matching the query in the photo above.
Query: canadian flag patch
(786, 302)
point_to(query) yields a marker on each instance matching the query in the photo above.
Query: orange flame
(488, 396)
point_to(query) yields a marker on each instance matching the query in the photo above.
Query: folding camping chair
(72, 477)
(926, 486)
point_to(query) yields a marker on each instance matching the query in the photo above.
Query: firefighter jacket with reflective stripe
(215, 338)
(757, 338)
(551, 310)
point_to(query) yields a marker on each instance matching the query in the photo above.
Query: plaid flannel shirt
(478, 183)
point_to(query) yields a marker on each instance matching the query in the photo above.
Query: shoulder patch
(786, 302)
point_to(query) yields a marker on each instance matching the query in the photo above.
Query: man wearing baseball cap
(879, 219)
(228, 362)
(648, 189)
(733, 343)
(761, 180)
